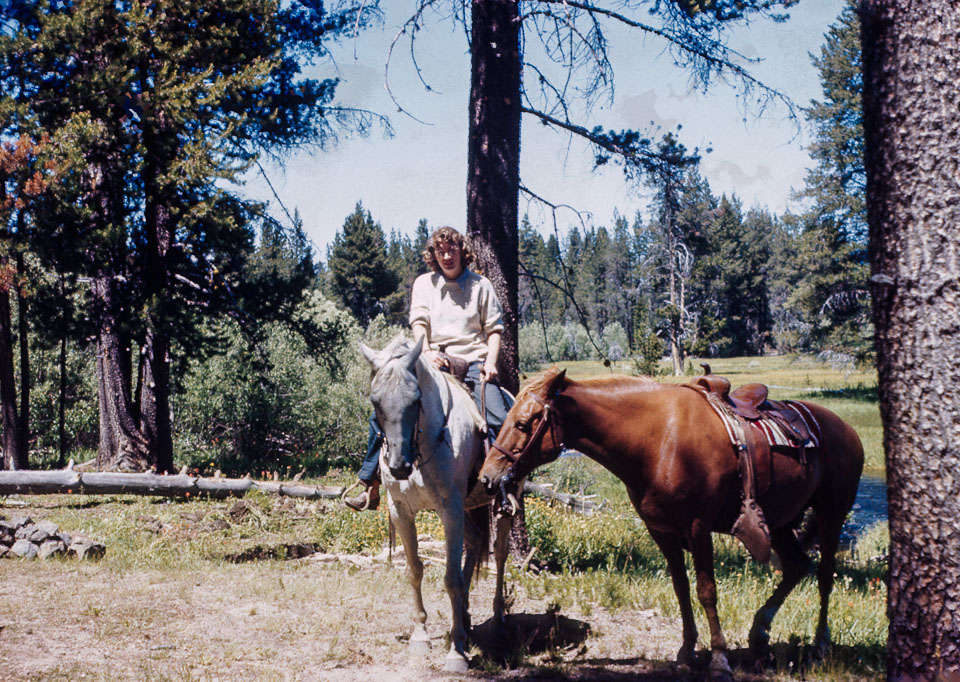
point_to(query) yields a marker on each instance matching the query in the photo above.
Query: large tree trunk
(493, 179)
(159, 219)
(8, 388)
(493, 162)
(122, 446)
(912, 131)
(23, 446)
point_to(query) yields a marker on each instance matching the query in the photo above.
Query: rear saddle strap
(750, 446)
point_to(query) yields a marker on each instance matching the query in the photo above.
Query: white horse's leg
(500, 550)
(403, 519)
(474, 538)
(452, 518)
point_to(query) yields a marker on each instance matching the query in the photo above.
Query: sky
(420, 171)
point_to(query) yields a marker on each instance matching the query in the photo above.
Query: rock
(20, 521)
(25, 531)
(83, 548)
(24, 549)
(51, 548)
(65, 538)
(239, 510)
(7, 535)
(39, 535)
(193, 517)
(49, 527)
(8, 526)
(216, 524)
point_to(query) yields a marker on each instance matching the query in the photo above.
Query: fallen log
(583, 505)
(70, 481)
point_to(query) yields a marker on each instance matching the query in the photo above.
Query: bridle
(549, 419)
(417, 459)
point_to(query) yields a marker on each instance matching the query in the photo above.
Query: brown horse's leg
(795, 565)
(829, 536)
(500, 552)
(672, 551)
(701, 546)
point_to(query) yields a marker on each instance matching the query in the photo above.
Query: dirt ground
(301, 620)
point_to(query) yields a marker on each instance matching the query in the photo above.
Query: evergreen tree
(361, 276)
(157, 104)
(831, 291)
(665, 174)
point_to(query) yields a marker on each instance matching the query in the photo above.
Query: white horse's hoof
(419, 645)
(455, 663)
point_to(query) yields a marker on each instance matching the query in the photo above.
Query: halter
(417, 458)
(549, 417)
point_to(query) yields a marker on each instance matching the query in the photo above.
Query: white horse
(432, 450)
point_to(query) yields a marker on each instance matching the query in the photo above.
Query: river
(869, 507)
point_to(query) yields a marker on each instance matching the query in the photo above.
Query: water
(869, 508)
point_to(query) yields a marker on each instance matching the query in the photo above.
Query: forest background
(137, 283)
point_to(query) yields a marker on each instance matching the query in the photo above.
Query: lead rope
(483, 414)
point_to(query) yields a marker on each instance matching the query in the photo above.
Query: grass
(171, 563)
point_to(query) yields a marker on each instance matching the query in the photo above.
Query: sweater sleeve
(491, 312)
(420, 302)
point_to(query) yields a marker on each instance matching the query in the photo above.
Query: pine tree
(831, 292)
(359, 267)
(156, 105)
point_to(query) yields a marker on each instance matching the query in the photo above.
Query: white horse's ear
(370, 355)
(413, 355)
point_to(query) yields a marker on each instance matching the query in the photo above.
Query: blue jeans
(498, 403)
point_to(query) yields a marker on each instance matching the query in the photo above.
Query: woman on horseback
(457, 314)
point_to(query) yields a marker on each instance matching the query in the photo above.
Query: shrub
(272, 406)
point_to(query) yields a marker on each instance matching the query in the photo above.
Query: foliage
(360, 273)
(271, 406)
(830, 288)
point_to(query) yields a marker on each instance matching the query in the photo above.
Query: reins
(549, 418)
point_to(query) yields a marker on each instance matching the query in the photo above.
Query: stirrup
(343, 495)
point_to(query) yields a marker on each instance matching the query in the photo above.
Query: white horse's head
(395, 394)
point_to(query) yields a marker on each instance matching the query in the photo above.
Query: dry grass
(169, 605)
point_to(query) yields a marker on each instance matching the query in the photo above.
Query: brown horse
(671, 450)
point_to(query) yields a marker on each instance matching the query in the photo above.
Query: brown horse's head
(531, 435)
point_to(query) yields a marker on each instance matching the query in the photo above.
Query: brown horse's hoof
(720, 670)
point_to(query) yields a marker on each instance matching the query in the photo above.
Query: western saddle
(742, 411)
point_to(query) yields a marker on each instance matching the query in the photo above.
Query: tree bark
(912, 134)
(23, 444)
(493, 179)
(8, 389)
(493, 163)
(122, 446)
(159, 219)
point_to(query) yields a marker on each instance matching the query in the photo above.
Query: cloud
(730, 173)
(639, 111)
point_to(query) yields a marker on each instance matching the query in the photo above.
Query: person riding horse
(457, 313)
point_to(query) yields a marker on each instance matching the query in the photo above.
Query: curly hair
(450, 236)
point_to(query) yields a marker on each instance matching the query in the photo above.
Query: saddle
(755, 425)
(458, 367)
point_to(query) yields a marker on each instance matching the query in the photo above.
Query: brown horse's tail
(806, 529)
(478, 519)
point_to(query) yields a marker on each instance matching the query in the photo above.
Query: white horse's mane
(400, 345)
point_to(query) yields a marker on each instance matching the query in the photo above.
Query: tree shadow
(528, 634)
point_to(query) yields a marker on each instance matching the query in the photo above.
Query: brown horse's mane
(614, 382)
